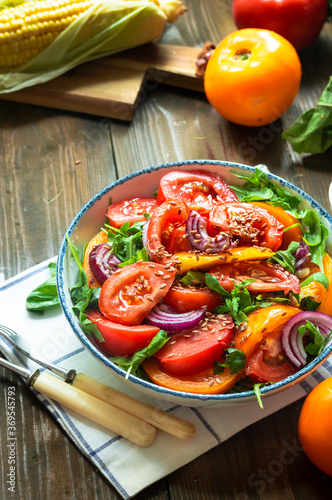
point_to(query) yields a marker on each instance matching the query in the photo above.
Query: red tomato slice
(200, 190)
(287, 220)
(163, 218)
(132, 210)
(121, 340)
(130, 293)
(268, 277)
(250, 224)
(268, 363)
(178, 240)
(186, 298)
(196, 350)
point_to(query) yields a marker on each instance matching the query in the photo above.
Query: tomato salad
(206, 287)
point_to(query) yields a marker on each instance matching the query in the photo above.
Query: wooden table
(51, 163)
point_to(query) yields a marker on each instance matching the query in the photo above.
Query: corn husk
(108, 27)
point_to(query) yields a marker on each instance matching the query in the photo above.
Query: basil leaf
(316, 237)
(213, 284)
(313, 223)
(312, 131)
(131, 364)
(320, 277)
(44, 296)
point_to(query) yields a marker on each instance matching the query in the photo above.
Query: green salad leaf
(320, 277)
(193, 278)
(44, 296)
(127, 243)
(317, 341)
(258, 395)
(239, 302)
(315, 237)
(235, 361)
(258, 187)
(285, 257)
(131, 364)
(312, 131)
(82, 295)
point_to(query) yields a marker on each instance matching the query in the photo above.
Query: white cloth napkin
(129, 468)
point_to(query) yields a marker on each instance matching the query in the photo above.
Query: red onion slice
(103, 262)
(166, 318)
(292, 341)
(199, 238)
(302, 255)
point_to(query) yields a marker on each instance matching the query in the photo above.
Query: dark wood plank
(51, 164)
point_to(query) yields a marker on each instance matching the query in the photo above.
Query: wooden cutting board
(112, 86)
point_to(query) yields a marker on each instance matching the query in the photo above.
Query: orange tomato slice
(100, 237)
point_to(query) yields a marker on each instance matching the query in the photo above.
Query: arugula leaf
(81, 294)
(235, 361)
(317, 341)
(238, 303)
(312, 131)
(131, 364)
(258, 394)
(44, 296)
(127, 243)
(259, 187)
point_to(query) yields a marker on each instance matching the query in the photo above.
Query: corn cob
(26, 30)
(29, 27)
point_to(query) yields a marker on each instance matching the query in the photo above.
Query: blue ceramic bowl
(91, 218)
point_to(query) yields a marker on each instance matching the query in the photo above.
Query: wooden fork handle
(154, 416)
(93, 408)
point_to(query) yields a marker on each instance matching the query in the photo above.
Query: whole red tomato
(299, 21)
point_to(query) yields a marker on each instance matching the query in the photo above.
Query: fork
(149, 414)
